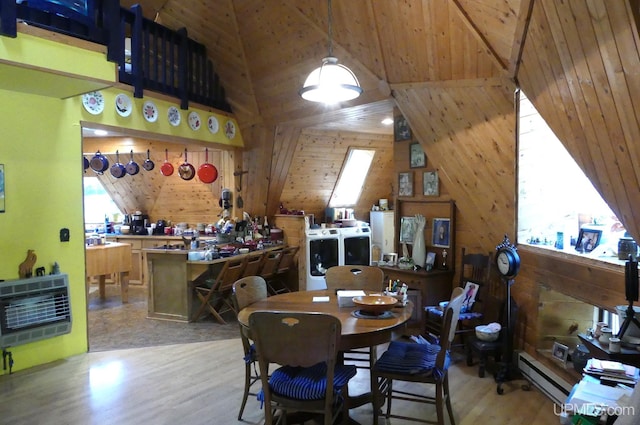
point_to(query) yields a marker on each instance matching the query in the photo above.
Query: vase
(419, 253)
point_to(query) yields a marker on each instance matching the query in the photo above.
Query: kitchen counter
(103, 260)
(171, 276)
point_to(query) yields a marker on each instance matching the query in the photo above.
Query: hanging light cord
(330, 28)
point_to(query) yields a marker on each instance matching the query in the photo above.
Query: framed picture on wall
(407, 227)
(417, 157)
(440, 234)
(405, 184)
(430, 183)
(401, 129)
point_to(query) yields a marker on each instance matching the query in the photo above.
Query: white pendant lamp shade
(331, 83)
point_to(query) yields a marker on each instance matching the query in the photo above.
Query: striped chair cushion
(308, 383)
(410, 358)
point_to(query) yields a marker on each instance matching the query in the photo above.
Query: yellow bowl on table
(375, 304)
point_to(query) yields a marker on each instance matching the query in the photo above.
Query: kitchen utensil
(186, 170)
(132, 167)
(99, 163)
(86, 163)
(167, 168)
(207, 173)
(118, 170)
(148, 163)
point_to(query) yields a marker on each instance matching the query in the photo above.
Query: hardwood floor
(201, 384)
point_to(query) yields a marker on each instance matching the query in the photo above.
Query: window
(555, 198)
(352, 177)
(97, 204)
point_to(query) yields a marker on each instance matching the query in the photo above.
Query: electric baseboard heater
(34, 309)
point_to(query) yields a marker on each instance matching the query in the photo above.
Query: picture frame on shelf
(440, 235)
(389, 259)
(560, 352)
(430, 183)
(431, 260)
(407, 229)
(588, 239)
(417, 157)
(405, 184)
(401, 129)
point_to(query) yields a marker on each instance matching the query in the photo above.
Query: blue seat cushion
(308, 383)
(464, 315)
(410, 358)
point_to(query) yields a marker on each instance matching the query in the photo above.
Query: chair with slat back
(309, 379)
(217, 298)
(277, 284)
(474, 275)
(418, 364)
(253, 264)
(247, 291)
(269, 266)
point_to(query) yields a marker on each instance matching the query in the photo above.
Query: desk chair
(217, 297)
(253, 264)
(309, 380)
(418, 363)
(474, 277)
(246, 291)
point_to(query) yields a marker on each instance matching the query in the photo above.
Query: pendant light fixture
(331, 82)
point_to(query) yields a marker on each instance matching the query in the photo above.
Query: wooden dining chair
(367, 278)
(253, 264)
(217, 297)
(246, 291)
(309, 379)
(420, 364)
(278, 283)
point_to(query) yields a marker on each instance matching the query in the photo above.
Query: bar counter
(170, 281)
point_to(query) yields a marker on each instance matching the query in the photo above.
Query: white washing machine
(355, 245)
(323, 251)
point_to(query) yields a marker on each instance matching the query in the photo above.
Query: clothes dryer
(323, 251)
(355, 245)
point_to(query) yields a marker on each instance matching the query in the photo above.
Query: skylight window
(352, 178)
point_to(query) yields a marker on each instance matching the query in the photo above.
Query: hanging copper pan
(167, 168)
(207, 173)
(186, 170)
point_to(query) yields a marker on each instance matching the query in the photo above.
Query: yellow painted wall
(40, 148)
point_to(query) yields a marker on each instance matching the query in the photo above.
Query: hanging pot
(99, 163)
(207, 173)
(132, 167)
(148, 163)
(167, 168)
(118, 170)
(186, 170)
(86, 163)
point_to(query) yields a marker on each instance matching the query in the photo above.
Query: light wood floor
(201, 384)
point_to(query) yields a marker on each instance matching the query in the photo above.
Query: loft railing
(150, 56)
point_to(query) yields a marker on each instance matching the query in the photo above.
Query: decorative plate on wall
(123, 105)
(213, 125)
(93, 102)
(230, 130)
(174, 116)
(194, 121)
(150, 111)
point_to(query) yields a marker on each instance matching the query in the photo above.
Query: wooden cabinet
(431, 286)
(383, 233)
(294, 233)
(136, 276)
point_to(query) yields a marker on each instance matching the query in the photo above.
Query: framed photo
(470, 292)
(431, 259)
(560, 352)
(2, 205)
(417, 157)
(405, 184)
(440, 234)
(390, 258)
(407, 228)
(430, 183)
(401, 129)
(588, 239)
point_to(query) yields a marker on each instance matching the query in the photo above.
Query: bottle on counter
(266, 230)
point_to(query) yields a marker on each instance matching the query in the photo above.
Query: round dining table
(358, 331)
